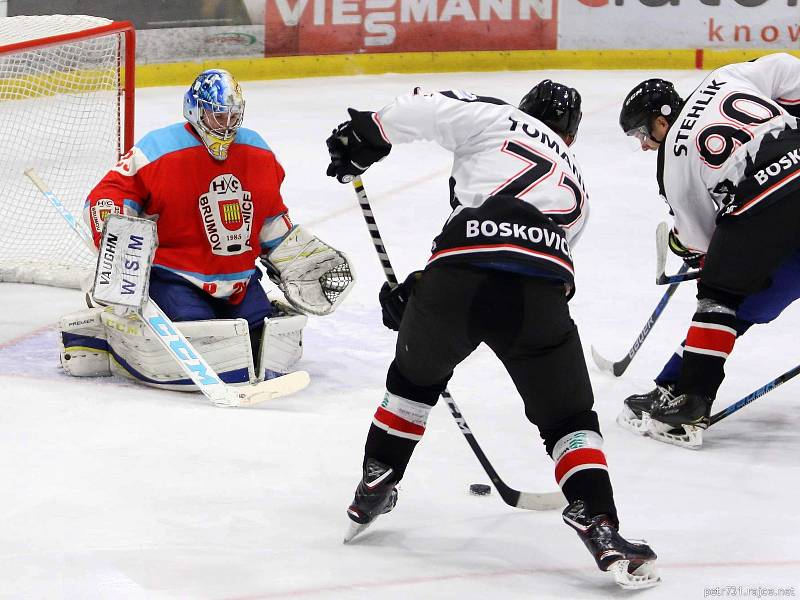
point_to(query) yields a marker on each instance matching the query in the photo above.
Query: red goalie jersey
(214, 218)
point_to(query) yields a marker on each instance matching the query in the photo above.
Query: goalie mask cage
(66, 109)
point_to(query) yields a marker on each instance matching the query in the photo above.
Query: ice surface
(115, 491)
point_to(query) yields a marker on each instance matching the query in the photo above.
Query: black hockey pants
(526, 323)
(524, 320)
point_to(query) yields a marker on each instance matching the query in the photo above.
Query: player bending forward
(213, 189)
(500, 273)
(729, 168)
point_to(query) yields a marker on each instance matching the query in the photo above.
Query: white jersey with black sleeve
(733, 146)
(518, 193)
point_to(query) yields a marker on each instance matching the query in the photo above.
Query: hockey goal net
(66, 109)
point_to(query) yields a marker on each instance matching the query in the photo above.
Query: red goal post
(67, 93)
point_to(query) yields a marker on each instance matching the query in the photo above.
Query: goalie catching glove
(314, 277)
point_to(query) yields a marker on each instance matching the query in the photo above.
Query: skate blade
(685, 436)
(627, 419)
(644, 576)
(353, 530)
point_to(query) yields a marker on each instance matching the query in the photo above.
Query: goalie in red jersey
(213, 189)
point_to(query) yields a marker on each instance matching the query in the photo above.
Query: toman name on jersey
(729, 137)
(498, 152)
(214, 217)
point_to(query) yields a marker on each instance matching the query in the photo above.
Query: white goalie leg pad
(137, 354)
(315, 277)
(281, 343)
(84, 349)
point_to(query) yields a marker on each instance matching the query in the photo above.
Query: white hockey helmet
(215, 107)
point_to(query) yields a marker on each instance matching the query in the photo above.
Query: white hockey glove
(314, 277)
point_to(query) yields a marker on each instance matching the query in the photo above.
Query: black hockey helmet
(653, 97)
(555, 105)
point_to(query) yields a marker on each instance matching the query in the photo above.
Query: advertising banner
(640, 24)
(363, 26)
(171, 30)
(149, 14)
(189, 43)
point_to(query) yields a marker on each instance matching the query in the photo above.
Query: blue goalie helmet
(215, 107)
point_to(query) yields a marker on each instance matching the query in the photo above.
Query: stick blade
(602, 363)
(662, 242)
(273, 388)
(543, 501)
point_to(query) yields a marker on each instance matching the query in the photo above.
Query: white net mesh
(60, 114)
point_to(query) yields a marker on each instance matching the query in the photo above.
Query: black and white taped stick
(512, 497)
(662, 243)
(618, 367)
(377, 241)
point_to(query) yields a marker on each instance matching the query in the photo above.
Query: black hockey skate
(631, 563)
(681, 420)
(375, 495)
(637, 408)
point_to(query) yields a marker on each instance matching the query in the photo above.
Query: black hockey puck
(480, 489)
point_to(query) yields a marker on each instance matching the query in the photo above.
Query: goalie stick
(618, 368)
(662, 243)
(176, 344)
(512, 497)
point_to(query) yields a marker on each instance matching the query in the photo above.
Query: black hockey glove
(354, 146)
(693, 260)
(394, 300)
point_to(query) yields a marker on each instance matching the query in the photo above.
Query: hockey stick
(512, 497)
(618, 368)
(176, 344)
(764, 389)
(662, 242)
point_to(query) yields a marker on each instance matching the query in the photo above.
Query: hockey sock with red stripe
(397, 426)
(581, 471)
(399, 421)
(390, 450)
(672, 370)
(710, 340)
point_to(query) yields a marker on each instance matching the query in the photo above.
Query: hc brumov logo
(658, 3)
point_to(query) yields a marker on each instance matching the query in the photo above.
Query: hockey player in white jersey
(729, 168)
(500, 273)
